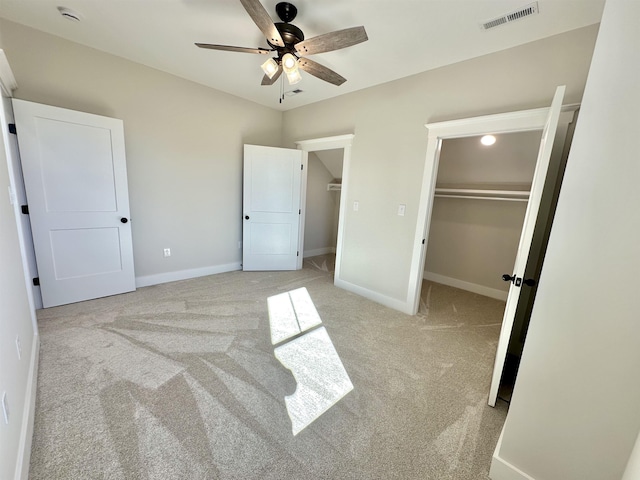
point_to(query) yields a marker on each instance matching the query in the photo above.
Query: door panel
(531, 215)
(74, 170)
(271, 204)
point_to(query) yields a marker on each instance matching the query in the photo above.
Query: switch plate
(167, 252)
(5, 407)
(356, 205)
(401, 209)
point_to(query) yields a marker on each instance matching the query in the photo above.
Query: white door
(75, 177)
(537, 186)
(271, 208)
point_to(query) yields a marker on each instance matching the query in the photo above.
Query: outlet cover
(167, 252)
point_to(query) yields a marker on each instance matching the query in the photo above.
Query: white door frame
(8, 84)
(316, 145)
(521, 121)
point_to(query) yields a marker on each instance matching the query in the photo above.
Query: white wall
(389, 147)
(320, 218)
(184, 145)
(575, 412)
(15, 320)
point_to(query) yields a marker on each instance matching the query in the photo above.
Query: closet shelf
(334, 186)
(508, 192)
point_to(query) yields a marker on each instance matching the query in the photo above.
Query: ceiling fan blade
(270, 81)
(262, 19)
(332, 41)
(229, 48)
(320, 71)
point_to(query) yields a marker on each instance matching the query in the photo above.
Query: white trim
(26, 433)
(374, 296)
(332, 143)
(319, 251)
(167, 277)
(468, 286)
(503, 470)
(326, 143)
(7, 80)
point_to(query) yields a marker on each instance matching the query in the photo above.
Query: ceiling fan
(288, 44)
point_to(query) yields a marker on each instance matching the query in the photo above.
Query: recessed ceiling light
(69, 14)
(488, 140)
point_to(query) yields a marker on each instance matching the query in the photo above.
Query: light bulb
(289, 63)
(270, 67)
(488, 140)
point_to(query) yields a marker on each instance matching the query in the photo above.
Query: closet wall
(472, 242)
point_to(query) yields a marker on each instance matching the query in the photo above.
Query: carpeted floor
(180, 381)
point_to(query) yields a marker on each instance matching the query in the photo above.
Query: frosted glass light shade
(270, 67)
(294, 77)
(289, 63)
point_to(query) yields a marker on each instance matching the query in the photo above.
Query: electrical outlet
(356, 206)
(5, 407)
(19, 347)
(401, 209)
(167, 252)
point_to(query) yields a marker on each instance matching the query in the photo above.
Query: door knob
(508, 278)
(530, 282)
(124, 219)
(246, 217)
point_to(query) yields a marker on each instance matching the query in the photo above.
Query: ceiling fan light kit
(287, 42)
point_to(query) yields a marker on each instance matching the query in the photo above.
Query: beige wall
(183, 141)
(389, 147)
(575, 411)
(320, 217)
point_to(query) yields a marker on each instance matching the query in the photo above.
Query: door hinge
(297, 254)
(36, 281)
(12, 128)
(301, 167)
(423, 241)
(299, 211)
(24, 209)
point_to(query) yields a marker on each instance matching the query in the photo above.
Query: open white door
(271, 208)
(537, 186)
(75, 176)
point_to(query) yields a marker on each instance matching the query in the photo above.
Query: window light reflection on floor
(321, 378)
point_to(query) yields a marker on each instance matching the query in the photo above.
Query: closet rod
(508, 199)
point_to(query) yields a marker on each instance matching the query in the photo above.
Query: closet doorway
(545, 120)
(325, 177)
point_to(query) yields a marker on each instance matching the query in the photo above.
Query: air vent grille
(525, 11)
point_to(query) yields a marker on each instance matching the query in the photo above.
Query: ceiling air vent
(291, 93)
(525, 11)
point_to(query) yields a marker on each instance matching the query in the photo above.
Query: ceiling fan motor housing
(290, 36)
(286, 11)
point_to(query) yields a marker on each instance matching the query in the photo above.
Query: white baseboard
(503, 470)
(26, 433)
(390, 302)
(318, 251)
(468, 286)
(149, 280)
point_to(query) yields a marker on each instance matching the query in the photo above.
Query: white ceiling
(405, 36)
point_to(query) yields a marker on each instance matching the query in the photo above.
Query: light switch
(401, 209)
(356, 205)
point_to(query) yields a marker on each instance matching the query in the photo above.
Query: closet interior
(478, 212)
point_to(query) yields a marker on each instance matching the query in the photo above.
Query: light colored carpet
(180, 381)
